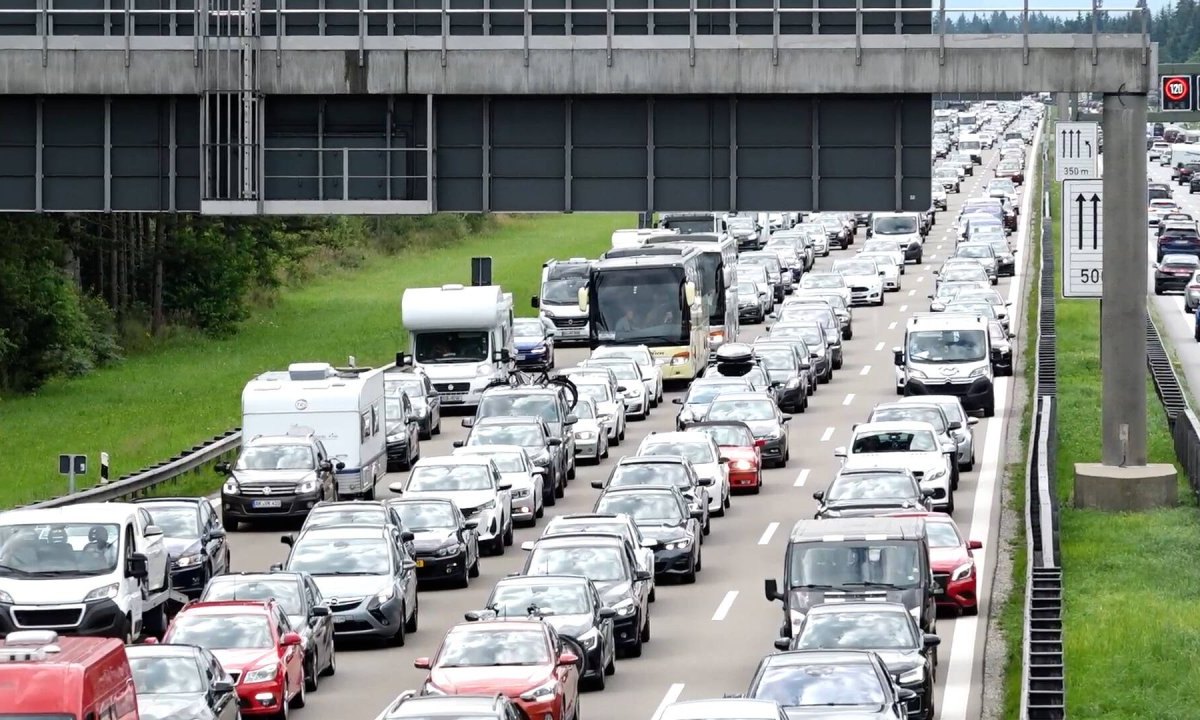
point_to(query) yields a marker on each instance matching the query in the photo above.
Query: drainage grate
(1166, 382)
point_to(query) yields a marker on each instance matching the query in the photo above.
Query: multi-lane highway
(1176, 326)
(708, 637)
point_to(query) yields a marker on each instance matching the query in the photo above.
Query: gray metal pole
(1064, 109)
(1123, 313)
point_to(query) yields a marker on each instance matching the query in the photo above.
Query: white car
(829, 281)
(640, 354)
(739, 708)
(702, 451)
(629, 375)
(611, 409)
(1160, 208)
(518, 470)
(909, 444)
(884, 245)
(591, 433)
(864, 279)
(474, 485)
(886, 262)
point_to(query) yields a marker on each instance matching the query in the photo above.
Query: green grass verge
(187, 389)
(1132, 587)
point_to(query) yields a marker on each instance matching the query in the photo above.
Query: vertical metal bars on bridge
(231, 118)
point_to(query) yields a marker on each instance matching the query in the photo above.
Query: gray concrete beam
(583, 65)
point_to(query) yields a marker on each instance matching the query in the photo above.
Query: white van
(972, 144)
(342, 406)
(948, 354)
(558, 299)
(462, 337)
(86, 569)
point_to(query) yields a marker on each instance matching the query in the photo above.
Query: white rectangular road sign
(1076, 150)
(1083, 238)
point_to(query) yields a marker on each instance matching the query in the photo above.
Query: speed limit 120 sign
(1176, 91)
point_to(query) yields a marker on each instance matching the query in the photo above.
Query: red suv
(256, 645)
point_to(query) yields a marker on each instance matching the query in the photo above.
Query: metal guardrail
(1183, 423)
(1043, 681)
(138, 483)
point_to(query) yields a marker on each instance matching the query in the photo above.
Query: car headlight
(625, 608)
(307, 486)
(262, 674)
(936, 475)
(186, 561)
(489, 505)
(607, 418)
(5, 597)
(585, 435)
(913, 676)
(542, 458)
(539, 349)
(915, 373)
(590, 639)
(793, 382)
(108, 592)
(979, 371)
(915, 612)
(231, 487)
(795, 617)
(448, 549)
(962, 571)
(395, 438)
(541, 692)
(385, 594)
(679, 544)
(775, 434)
(519, 493)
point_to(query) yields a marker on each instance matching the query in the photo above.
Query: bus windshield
(639, 306)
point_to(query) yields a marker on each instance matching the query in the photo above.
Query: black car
(572, 605)
(194, 538)
(661, 514)
(180, 681)
(1174, 272)
(403, 432)
(1002, 357)
(885, 629)
(446, 543)
(610, 564)
(836, 683)
(787, 375)
(531, 433)
(642, 470)
(870, 492)
(426, 402)
(300, 599)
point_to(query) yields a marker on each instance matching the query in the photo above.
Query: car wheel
(299, 700)
(611, 667)
(473, 571)
(550, 499)
(508, 534)
(646, 630)
(498, 545)
(311, 677)
(398, 639)
(437, 429)
(411, 624)
(331, 668)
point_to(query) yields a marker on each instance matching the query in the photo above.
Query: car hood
(863, 508)
(527, 343)
(945, 559)
(586, 425)
(241, 659)
(253, 477)
(433, 538)
(761, 428)
(350, 586)
(178, 547)
(919, 461)
(899, 661)
(862, 279)
(860, 712)
(519, 480)
(507, 679)
(464, 499)
(613, 591)
(802, 599)
(172, 705)
(664, 533)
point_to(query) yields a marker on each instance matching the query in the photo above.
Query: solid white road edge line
(802, 478)
(827, 434)
(724, 607)
(766, 536)
(672, 695)
(957, 695)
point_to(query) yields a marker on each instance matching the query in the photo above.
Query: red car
(953, 561)
(524, 660)
(743, 452)
(256, 646)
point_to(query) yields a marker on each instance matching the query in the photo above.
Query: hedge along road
(708, 637)
(153, 405)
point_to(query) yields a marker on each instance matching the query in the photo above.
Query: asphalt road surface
(708, 637)
(1175, 327)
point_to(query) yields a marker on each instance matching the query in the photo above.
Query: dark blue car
(534, 340)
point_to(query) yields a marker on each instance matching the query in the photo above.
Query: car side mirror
(422, 663)
(291, 639)
(898, 356)
(220, 687)
(928, 492)
(568, 658)
(771, 589)
(705, 481)
(216, 533)
(949, 448)
(975, 544)
(725, 459)
(1011, 335)
(527, 545)
(468, 422)
(598, 484)
(839, 452)
(472, 522)
(621, 388)
(152, 531)
(782, 643)
(321, 611)
(413, 417)
(819, 495)
(554, 442)
(276, 567)
(535, 302)
(905, 695)
(606, 613)
(339, 466)
(955, 425)
(676, 401)
(972, 421)
(325, 466)
(458, 443)
(396, 487)
(932, 641)
(289, 540)
(785, 418)
(221, 468)
(137, 566)
(506, 486)
(697, 513)
(643, 576)
(409, 536)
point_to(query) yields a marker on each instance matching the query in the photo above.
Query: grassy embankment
(183, 390)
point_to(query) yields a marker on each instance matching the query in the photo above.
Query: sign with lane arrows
(1083, 238)
(1076, 150)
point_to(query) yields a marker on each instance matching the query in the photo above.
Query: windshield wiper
(16, 571)
(872, 583)
(348, 572)
(814, 586)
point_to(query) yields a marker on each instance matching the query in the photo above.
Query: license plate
(267, 503)
(340, 619)
(453, 398)
(570, 332)
(420, 563)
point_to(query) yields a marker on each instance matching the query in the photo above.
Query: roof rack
(29, 646)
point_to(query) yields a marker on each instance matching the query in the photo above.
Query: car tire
(411, 624)
(299, 700)
(508, 534)
(689, 577)
(311, 676)
(970, 611)
(635, 650)
(331, 669)
(989, 410)
(646, 629)
(498, 545)
(611, 667)
(473, 571)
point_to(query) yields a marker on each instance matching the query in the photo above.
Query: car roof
(820, 657)
(488, 450)
(345, 532)
(172, 650)
(723, 709)
(506, 420)
(228, 607)
(543, 579)
(89, 513)
(580, 538)
(680, 436)
(433, 706)
(894, 426)
(652, 460)
(857, 528)
(742, 396)
(436, 460)
(171, 501)
(497, 626)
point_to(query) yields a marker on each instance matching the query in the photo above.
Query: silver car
(961, 425)
(632, 385)
(591, 433)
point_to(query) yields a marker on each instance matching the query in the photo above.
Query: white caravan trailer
(462, 337)
(344, 407)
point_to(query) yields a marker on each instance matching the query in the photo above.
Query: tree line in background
(79, 291)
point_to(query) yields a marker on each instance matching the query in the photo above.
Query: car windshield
(451, 346)
(873, 486)
(742, 409)
(931, 415)
(331, 515)
(810, 334)
(176, 521)
(727, 435)
(221, 631)
(483, 648)
(942, 535)
(276, 457)
(642, 507)
(422, 516)
(895, 225)
(598, 563)
(699, 453)
(703, 393)
(770, 263)
(659, 473)
(507, 462)
(747, 289)
(599, 392)
(285, 591)
(974, 251)
(623, 371)
(343, 556)
(413, 387)
(450, 478)
(59, 550)
(563, 291)
(528, 329)
(893, 441)
(165, 675)
(821, 685)
(858, 631)
(853, 267)
(862, 562)
(806, 314)
(515, 599)
(584, 410)
(640, 356)
(972, 308)
(539, 405)
(823, 280)
(947, 346)
(777, 359)
(523, 434)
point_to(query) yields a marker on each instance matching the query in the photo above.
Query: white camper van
(559, 298)
(462, 337)
(342, 406)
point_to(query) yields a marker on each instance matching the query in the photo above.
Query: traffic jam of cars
(680, 384)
